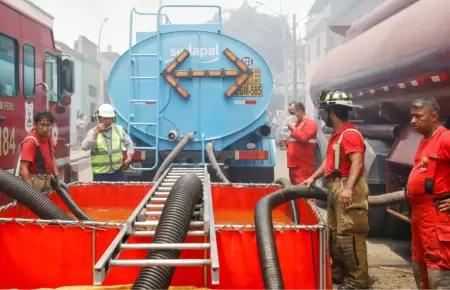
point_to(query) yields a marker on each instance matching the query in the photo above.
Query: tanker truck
(391, 56)
(192, 79)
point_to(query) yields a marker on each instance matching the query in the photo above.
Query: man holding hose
(347, 215)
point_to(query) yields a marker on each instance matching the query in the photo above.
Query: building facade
(86, 97)
(107, 60)
(326, 28)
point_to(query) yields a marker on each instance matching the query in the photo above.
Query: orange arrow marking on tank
(243, 73)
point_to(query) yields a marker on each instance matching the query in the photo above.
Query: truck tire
(395, 227)
(251, 174)
(377, 215)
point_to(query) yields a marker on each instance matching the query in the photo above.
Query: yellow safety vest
(104, 161)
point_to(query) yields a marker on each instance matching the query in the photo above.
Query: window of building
(92, 108)
(51, 77)
(29, 77)
(318, 47)
(92, 91)
(9, 67)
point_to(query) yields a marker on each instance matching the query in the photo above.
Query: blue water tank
(207, 110)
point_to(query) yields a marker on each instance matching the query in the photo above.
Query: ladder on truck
(134, 79)
(202, 224)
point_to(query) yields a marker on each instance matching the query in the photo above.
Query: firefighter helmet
(330, 98)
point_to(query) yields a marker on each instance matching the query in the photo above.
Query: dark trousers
(115, 176)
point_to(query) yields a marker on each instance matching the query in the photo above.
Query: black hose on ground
(172, 228)
(267, 251)
(171, 157)
(212, 159)
(286, 183)
(34, 200)
(63, 193)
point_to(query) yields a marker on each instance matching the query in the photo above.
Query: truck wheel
(395, 227)
(377, 215)
(251, 174)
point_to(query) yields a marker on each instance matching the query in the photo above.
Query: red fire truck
(34, 76)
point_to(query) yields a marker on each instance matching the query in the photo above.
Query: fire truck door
(10, 98)
(51, 79)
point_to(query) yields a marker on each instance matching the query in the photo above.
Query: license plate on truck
(250, 91)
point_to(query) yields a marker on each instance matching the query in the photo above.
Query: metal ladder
(135, 78)
(138, 225)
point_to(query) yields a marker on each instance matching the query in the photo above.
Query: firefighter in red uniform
(428, 192)
(347, 215)
(37, 161)
(301, 145)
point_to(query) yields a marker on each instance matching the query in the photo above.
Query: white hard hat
(106, 111)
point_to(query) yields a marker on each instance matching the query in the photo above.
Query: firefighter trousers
(347, 233)
(430, 246)
(41, 183)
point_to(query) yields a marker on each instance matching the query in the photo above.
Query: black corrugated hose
(212, 159)
(267, 251)
(27, 195)
(172, 228)
(171, 157)
(286, 183)
(63, 193)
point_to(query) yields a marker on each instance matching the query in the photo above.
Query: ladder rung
(158, 199)
(179, 174)
(161, 193)
(144, 55)
(155, 206)
(158, 213)
(164, 188)
(146, 102)
(149, 224)
(187, 169)
(185, 246)
(143, 78)
(167, 183)
(144, 148)
(152, 233)
(162, 262)
(142, 124)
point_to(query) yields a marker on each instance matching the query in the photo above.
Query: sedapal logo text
(198, 54)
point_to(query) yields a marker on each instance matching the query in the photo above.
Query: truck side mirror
(67, 76)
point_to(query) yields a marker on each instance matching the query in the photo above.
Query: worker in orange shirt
(301, 146)
(428, 192)
(347, 215)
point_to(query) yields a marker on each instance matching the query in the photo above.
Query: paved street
(389, 260)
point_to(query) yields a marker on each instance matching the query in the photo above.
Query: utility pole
(294, 58)
(285, 66)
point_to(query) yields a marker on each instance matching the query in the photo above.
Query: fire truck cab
(34, 77)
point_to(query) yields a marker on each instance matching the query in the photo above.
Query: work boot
(353, 253)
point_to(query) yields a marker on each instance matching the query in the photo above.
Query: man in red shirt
(348, 202)
(37, 161)
(301, 145)
(428, 192)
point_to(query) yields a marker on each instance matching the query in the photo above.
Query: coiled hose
(63, 193)
(267, 251)
(286, 183)
(172, 228)
(27, 195)
(171, 157)
(212, 159)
